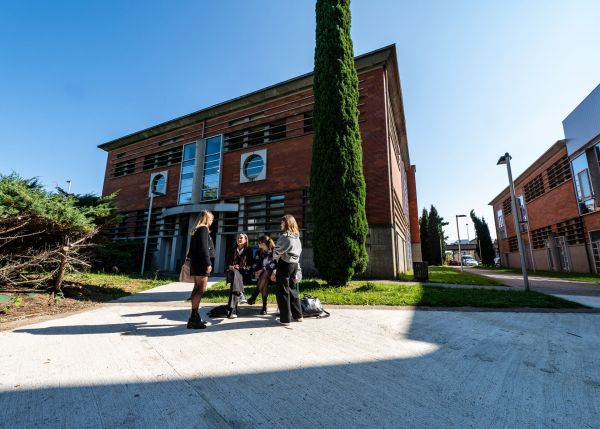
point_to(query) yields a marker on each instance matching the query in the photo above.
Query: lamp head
(504, 159)
(461, 215)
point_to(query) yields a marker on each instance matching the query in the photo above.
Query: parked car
(469, 261)
(453, 262)
(497, 262)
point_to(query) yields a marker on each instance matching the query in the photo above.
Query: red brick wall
(288, 161)
(554, 206)
(415, 237)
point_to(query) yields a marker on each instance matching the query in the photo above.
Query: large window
(187, 173)
(212, 169)
(583, 185)
(501, 227)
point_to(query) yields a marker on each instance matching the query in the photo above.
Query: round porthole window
(253, 166)
(159, 184)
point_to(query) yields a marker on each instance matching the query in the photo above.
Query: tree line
(433, 240)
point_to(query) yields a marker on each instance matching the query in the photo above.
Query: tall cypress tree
(482, 231)
(434, 237)
(337, 184)
(424, 233)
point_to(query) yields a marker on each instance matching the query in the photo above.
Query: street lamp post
(505, 159)
(152, 193)
(458, 232)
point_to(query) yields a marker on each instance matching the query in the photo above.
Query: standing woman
(287, 255)
(202, 256)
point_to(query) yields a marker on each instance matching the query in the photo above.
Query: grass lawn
(113, 286)
(375, 293)
(454, 276)
(579, 277)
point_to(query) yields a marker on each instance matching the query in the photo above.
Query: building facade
(248, 161)
(558, 201)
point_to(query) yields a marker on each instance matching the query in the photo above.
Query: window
(539, 237)
(501, 227)
(253, 166)
(159, 184)
(558, 173)
(583, 185)
(513, 244)
(259, 134)
(507, 206)
(572, 230)
(308, 122)
(212, 169)
(186, 179)
(262, 214)
(162, 159)
(124, 168)
(534, 188)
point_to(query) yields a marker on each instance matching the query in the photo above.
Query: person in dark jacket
(201, 256)
(238, 271)
(263, 267)
(287, 256)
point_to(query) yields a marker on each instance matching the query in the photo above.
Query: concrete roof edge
(542, 158)
(378, 57)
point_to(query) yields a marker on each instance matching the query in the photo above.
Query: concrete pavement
(584, 293)
(134, 364)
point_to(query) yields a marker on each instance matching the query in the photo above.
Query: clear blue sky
(479, 78)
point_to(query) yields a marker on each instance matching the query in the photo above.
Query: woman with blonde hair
(263, 267)
(201, 256)
(287, 256)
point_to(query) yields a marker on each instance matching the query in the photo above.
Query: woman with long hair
(287, 256)
(263, 267)
(238, 268)
(201, 256)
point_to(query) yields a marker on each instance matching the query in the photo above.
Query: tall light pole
(154, 191)
(458, 232)
(69, 186)
(505, 159)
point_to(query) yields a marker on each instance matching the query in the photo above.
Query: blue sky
(478, 78)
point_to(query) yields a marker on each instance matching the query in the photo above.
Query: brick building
(558, 200)
(248, 160)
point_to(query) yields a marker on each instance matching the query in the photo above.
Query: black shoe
(263, 311)
(251, 301)
(195, 323)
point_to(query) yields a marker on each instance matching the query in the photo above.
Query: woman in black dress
(201, 256)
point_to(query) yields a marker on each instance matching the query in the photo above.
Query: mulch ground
(34, 304)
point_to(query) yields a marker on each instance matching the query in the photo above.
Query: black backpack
(311, 307)
(218, 312)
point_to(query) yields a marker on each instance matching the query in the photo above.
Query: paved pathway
(581, 292)
(133, 364)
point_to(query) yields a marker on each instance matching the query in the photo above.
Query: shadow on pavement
(178, 326)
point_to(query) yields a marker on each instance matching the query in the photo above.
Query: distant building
(467, 247)
(248, 160)
(558, 200)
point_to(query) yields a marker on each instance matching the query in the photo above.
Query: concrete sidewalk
(134, 364)
(584, 293)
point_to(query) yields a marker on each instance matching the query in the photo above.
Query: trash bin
(421, 271)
